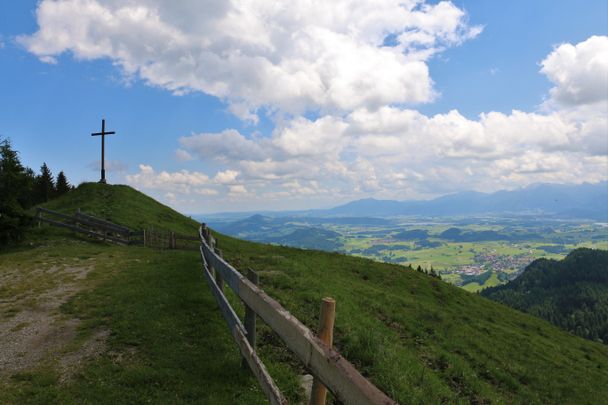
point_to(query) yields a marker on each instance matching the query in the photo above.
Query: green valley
(472, 252)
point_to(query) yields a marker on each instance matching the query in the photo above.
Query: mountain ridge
(581, 201)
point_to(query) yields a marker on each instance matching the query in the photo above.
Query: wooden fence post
(218, 276)
(39, 215)
(172, 240)
(250, 316)
(144, 236)
(326, 334)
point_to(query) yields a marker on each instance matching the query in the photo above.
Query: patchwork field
(473, 253)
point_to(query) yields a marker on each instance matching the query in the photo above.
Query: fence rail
(106, 230)
(87, 224)
(326, 364)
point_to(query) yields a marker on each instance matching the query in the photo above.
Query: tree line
(20, 189)
(571, 293)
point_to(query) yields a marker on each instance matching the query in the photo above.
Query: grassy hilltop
(419, 339)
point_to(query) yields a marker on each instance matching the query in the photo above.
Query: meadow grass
(419, 339)
(424, 341)
(168, 342)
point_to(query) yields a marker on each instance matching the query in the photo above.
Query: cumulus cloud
(182, 155)
(338, 80)
(226, 177)
(237, 190)
(287, 56)
(579, 72)
(399, 152)
(228, 144)
(183, 181)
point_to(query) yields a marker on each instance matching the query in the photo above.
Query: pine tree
(62, 185)
(13, 188)
(44, 185)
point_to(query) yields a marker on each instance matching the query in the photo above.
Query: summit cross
(103, 134)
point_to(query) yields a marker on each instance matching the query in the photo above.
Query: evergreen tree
(13, 188)
(44, 185)
(62, 185)
(571, 293)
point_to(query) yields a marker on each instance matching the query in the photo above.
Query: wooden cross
(103, 134)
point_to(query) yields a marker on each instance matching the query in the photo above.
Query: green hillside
(571, 293)
(122, 205)
(419, 339)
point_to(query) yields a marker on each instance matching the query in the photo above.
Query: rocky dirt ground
(33, 330)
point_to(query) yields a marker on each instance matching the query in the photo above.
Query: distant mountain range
(577, 201)
(582, 201)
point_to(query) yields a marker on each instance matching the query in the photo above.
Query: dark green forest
(571, 293)
(20, 189)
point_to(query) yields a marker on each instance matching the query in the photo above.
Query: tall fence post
(250, 317)
(218, 276)
(172, 240)
(326, 335)
(39, 215)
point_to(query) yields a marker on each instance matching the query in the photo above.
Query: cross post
(103, 134)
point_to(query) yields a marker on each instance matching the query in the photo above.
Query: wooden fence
(326, 365)
(165, 239)
(106, 230)
(89, 225)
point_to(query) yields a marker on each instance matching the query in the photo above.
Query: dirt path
(33, 331)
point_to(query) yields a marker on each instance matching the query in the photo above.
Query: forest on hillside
(571, 293)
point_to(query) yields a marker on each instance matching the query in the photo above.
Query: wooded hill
(417, 338)
(571, 293)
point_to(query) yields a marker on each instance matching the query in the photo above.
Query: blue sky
(236, 126)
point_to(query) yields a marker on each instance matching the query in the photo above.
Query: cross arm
(103, 133)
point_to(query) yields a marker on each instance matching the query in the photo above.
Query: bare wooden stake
(250, 316)
(326, 334)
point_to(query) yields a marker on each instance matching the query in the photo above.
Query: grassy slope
(122, 205)
(425, 341)
(167, 344)
(419, 339)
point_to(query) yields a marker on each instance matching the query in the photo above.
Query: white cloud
(579, 72)
(402, 153)
(352, 66)
(395, 152)
(228, 144)
(226, 177)
(237, 190)
(206, 191)
(285, 56)
(182, 155)
(183, 181)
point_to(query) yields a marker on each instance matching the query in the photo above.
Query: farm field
(473, 253)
